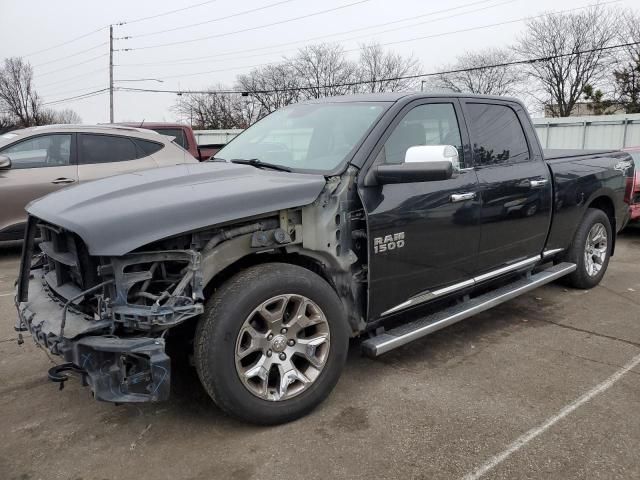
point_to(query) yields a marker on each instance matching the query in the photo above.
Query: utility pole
(110, 73)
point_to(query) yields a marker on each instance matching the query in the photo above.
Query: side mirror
(433, 153)
(5, 162)
(414, 172)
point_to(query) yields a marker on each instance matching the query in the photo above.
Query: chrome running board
(421, 327)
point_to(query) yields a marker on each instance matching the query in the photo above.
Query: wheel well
(605, 204)
(257, 259)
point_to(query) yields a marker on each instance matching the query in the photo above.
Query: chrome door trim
(507, 269)
(430, 295)
(551, 253)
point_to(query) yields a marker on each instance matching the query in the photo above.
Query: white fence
(216, 137)
(593, 132)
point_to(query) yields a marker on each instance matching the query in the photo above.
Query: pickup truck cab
(385, 216)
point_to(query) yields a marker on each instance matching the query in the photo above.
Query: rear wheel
(590, 250)
(272, 343)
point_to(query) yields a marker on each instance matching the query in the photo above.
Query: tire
(235, 322)
(585, 277)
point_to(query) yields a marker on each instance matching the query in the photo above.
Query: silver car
(39, 160)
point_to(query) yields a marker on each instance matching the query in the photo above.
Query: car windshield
(306, 136)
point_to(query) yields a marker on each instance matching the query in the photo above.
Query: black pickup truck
(385, 216)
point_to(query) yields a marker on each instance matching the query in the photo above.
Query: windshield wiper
(260, 164)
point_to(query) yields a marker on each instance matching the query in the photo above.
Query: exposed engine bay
(108, 316)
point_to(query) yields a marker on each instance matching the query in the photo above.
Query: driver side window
(431, 124)
(41, 151)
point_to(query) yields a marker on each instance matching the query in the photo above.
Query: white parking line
(6, 294)
(534, 432)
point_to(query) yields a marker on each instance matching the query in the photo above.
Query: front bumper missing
(121, 370)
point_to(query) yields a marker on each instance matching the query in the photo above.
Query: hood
(116, 215)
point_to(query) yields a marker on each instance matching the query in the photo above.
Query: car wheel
(271, 343)
(590, 250)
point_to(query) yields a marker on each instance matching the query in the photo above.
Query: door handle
(461, 197)
(538, 183)
(63, 180)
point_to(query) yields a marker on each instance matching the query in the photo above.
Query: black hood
(118, 214)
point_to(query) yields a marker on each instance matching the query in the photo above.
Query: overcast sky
(30, 29)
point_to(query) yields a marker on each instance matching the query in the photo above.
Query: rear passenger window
(146, 147)
(105, 149)
(496, 135)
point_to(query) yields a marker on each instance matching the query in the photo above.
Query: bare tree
(323, 71)
(216, 110)
(17, 94)
(314, 72)
(572, 46)
(474, 72)
(627, 71)
(629, 33)
(246, 111)
(272, 87)
(6, 123)
(381, 71)
(67, 115)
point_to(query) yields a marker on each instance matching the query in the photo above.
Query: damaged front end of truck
(107, 309)
(106, 317)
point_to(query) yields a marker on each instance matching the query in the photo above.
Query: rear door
(39, 165)
(423, 237)
(102, 156)
(515, 183)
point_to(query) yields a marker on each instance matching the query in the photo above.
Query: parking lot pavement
(536, 388)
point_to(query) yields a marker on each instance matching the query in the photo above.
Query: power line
(77, 97)
(265, 7)
(499, 24)
(344, 32)
(398, 41)
(166, 13)
(65, 92)
(71, 55)
(218, 35)
(65, 43)
(97, 30)
(72, 66)
(401, 77)
(87, 74)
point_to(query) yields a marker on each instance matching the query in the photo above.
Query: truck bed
(566, 153)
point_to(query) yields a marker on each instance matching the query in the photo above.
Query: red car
(634, 190)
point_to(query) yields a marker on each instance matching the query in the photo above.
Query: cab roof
(392, 97)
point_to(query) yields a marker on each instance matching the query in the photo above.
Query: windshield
(306, 136)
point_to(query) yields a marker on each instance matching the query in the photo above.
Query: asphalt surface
(541, 387)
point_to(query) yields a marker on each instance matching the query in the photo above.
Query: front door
(515, 185)
(423, 236)
(39, 165)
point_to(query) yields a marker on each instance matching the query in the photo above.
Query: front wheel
(272, 343)
(590, 250)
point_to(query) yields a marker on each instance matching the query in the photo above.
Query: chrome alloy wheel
(595, 249)
(282, 347)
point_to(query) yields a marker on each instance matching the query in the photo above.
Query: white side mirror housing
(433, 153)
